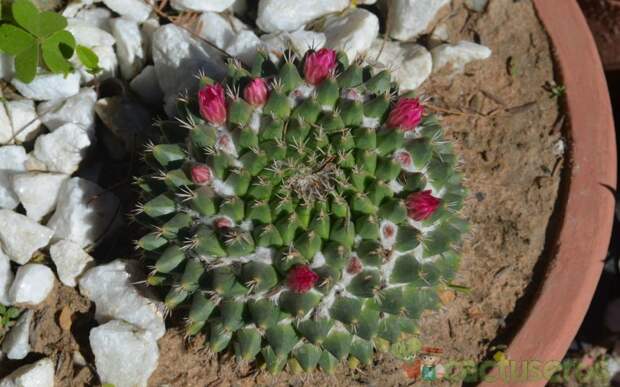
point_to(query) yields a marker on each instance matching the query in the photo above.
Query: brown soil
(604, 20)
(505, 127)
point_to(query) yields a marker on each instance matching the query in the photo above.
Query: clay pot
(579, 242)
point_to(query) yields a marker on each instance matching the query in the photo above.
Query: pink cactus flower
(256, 92)
(421, 205)
(406, 114)
(212, 103)
(319, 65)
(301, 279)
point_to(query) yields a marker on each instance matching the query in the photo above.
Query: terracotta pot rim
(586, 204)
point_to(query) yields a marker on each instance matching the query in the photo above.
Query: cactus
(303, 212)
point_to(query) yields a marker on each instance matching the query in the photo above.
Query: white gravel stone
(24, 123)
(217, 29)
(101, 42)
(111, 288)
(299, 41)
(39, 374)
(32, 284)
(98, 17)
(244, 46)
(63, 149)
(78, 109)
(16, 344)
(353, 33)
(21, 236)
(129, 46)
(84, 212)
(6, 278)
(12, 159)
(138, 10)
(38, 192)
(290, 15)
(89, 34)
(70, 260)
(45, 87)
(411, 64)
(146, 85)
(201, 5)
(148, 28)
(7, 66)
(458, 55)
(177, 57)
(125, 355)
(411, 18)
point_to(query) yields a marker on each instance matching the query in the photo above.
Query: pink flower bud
(256, 92)
(222, 223)
(406, 114)
(301, 279)
(201, 174)
(421, 205)
(319, 65)
(354, 265)
(212, 104)
(404, 159)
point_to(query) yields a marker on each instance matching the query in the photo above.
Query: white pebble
(352, 33)
(38, 192)
(129, 46)
(12, 159)
(6, 278)
(411, 18)
(45, 87)
(201, 5)
(244, 46)
(16, 344)
(39, 374)
(84, 212)
(78, 109)
(290, 15)
(458, 55)
(125, 356)
(32, 284)
(115, 296)
(299, 41)
(137, 10)
(21, 236)
(70, 261)
(64, 149)
(411, 64)
(23, 121)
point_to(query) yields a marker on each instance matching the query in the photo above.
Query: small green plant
(8, 315)
(555, 90)
(34, 38)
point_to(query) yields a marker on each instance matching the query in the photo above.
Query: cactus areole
(303, 212)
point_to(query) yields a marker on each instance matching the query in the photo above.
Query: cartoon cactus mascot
(302, 212)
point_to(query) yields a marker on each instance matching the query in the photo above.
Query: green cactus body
(296, 242)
